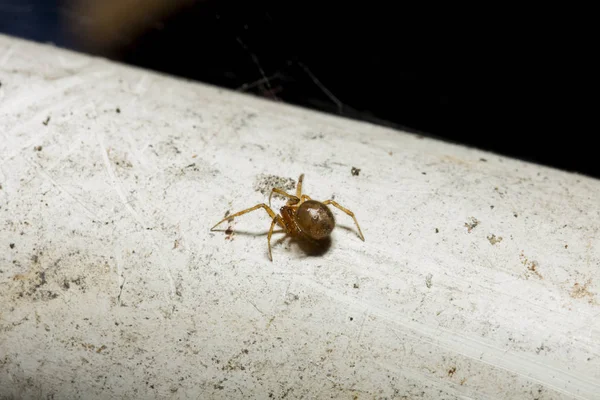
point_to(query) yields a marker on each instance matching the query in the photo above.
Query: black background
(514, 80)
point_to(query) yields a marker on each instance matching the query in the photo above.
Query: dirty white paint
(479, 277)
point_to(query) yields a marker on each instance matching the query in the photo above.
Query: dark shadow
(313, 248)
(351, 229)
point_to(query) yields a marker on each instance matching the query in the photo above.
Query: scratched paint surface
(478, 278)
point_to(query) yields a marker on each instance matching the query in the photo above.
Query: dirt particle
(42, 279)
(355, 286)
(46, 121)
(99, 350)
(515, 215)
(175, 244)
(494, 239)
(37, 148)
(266, 183)
(533, 268)
(482, 160)
(437, 230)
(492, 207)
(429, 281)
(118, 110)
(355, 171)
(566, 246)
(471, 224)
(580, 291)
(229, 233)
(290, 297)
(12, 245)
(451, 372)
(351, 319)
(501, 193)
(541, 348)
(531, 265)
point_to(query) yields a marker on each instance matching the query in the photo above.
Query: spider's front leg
(299, 187)
(256, 207)
(281, 192)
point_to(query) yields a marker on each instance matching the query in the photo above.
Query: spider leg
(299, 187)
(350, 213)
(256, 207)
(275, 220)
(281, 192)
(304, 197)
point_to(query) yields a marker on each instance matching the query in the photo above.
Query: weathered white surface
(116, 287)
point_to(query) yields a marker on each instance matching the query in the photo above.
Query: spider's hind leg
(350, 213)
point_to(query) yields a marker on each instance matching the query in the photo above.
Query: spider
(300, 217)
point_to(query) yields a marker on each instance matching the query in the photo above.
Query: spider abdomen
(315, 219)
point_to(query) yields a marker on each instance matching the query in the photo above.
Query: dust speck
(494, 239)
(38, 148)
(355, 171)
(429, 281)
(541, 348)
(46, 121)
(531, 265)
(471, 224)
(579, 291)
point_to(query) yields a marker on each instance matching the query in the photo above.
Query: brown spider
(300, 217)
